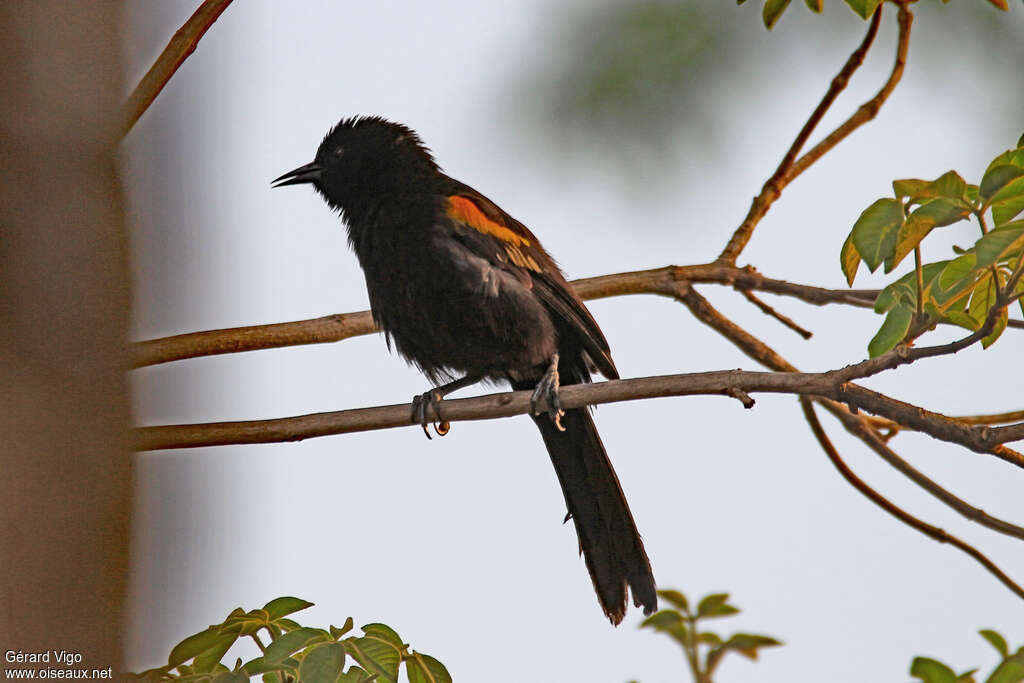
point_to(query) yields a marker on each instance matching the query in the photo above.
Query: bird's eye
(338, 151)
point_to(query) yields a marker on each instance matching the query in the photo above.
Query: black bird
(467, 293)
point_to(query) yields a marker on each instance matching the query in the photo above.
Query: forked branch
(791, 167)
(899, 513)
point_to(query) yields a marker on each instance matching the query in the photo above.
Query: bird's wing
(490, 232)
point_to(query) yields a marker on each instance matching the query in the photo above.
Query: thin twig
(881, 501)
(768, 310)
(181, 45)
(774, 185)
(993, 419)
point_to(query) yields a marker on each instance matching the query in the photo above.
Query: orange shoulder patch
(466, 211)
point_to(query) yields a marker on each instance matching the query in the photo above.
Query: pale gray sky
(457, 543)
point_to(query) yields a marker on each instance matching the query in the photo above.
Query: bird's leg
(547, 388)
(432, 399)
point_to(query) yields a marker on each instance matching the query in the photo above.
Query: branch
(731, 383)
(330, 328)
(859, 428)
(333, 328)
(789, 169)
(858, 425)
(878, 499)
(181, 45)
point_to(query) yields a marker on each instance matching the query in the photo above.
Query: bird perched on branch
(466, 293)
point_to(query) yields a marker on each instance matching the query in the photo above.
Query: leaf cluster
(295, 653)
(773, 9)
(960, 291)
(704, 649)
(1009, 670)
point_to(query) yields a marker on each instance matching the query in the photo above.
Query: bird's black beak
(309, 173)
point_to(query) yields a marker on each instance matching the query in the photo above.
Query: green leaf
(421, 668)
(208, 660)
(849, 260)
(710, 603)
(676, 598)
(773, 9)
(195, 645)
(323, 663)
(669, 622)
(662, 618)
(967, 677)
(353, 675)
(247, 623)
(379, 651)
(931, 671)
(287, 624)
(722, 611)
(865, 8)
(904, 291)
(1000, 243)
(949, 185)
(231, 677)
(260, 665)
(1013, 157)
(958, 270)
(337, 633)
(934, 295)
(961, 319)
(1010, 671)
(932, 214)
(1008, 202)
(816, 6)
(280, 607)
(709, 638)
(747, 644)
(982, 298)
(910, 187)
(874, 233)
(895, 327)
(292, 642)
(1020, 141)
(996, 179)
(997, 641)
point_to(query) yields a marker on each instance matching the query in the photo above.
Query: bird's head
(362, 158)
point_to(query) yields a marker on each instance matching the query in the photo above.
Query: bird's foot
(547, 389)
(422, 404)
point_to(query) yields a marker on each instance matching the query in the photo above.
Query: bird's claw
(420, 404)
(547, 389)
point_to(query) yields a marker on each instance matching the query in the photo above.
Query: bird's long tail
(610, 543)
